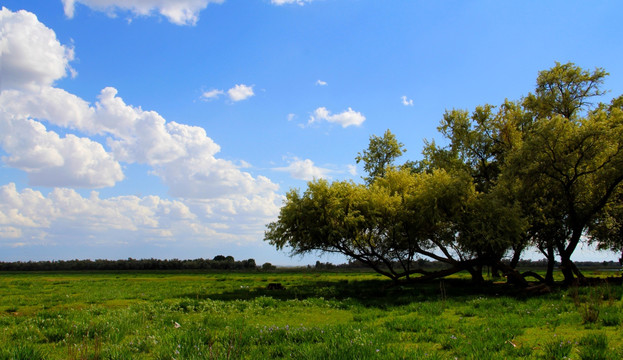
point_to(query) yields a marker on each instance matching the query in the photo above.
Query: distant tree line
(219, 262)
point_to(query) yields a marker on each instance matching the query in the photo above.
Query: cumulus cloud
(284, 2)
(51, 160)
(240, 92)
(65, 218)
(180, 12)
(352, 169)
(212, 194)
(406, 101)
(55, 105)
(304, 170)
(321, 83)
(35, 215)
(345, 119)
(211, 94)
(31, 55)
(32, 59)
(237, 93)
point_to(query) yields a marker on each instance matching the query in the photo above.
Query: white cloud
(32, 59)
(304, 170)
(31, 55)
(244, 164)
(180, 12)
(209, 190)
(283, 2)
(352, 169)
(51, 160)
(240, 92)
(212, 94)
(346, 118)
(64, 217)
(321, 83)
(140, 136)
(291, 116)
(406, 102)
(182, 155)
(63, 210)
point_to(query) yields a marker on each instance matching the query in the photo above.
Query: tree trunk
(495, 271)
(566, 267)
(577, 272)
(516, 257)
(513, 276)
(476, 273)
(551, 262)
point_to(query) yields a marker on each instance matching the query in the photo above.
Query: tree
(380, 154)
(606, 230)
(565, 90)
(478, 146)
(576, 166)
(545, 171)
(387, 225)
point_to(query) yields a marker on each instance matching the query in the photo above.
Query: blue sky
(136, 129)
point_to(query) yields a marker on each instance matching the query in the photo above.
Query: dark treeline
(219, 262)
(540, 264)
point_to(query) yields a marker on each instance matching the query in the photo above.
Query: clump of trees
(542, 172)
(219, 262)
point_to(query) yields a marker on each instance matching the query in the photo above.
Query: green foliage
(383, 225)
(564, 90)
(606, 229)
(380, 155)
(544, 171)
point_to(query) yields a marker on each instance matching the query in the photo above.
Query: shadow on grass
(372, 293)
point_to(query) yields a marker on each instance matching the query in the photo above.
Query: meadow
(318, 315)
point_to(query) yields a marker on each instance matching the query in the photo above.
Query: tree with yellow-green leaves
(546, 172)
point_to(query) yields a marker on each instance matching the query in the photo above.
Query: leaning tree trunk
(516, 257)
(567, 266)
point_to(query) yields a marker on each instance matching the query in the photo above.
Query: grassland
(202, 315)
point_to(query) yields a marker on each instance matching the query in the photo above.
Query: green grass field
(204, 315)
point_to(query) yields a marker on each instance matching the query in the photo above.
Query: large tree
(398, 217)
(542, 171)
(571, 160)
(386, 225)
(478, 145)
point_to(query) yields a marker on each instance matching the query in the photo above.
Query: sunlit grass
(166, 315)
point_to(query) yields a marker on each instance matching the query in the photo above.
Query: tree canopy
(544, 171)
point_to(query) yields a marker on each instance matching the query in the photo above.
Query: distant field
(319, 315)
